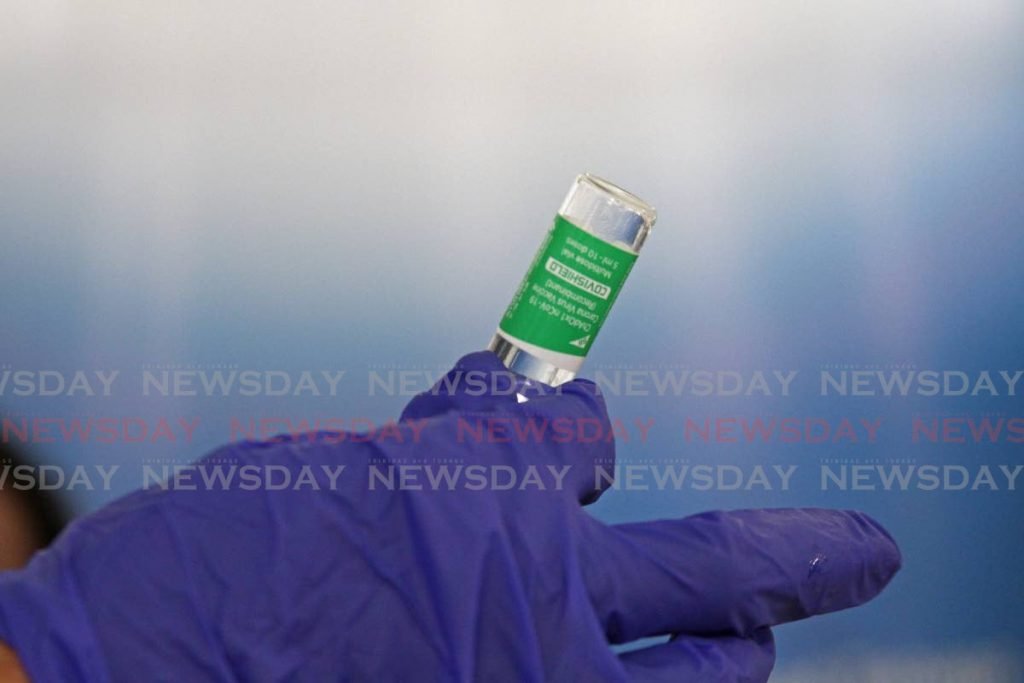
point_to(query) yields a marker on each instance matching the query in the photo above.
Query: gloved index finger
(733, 572)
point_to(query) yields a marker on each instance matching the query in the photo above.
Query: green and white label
(568, 290)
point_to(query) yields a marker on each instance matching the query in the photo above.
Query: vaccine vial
(573, 281)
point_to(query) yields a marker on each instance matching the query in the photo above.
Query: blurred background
(359, 187)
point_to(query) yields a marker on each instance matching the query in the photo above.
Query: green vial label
(568, 290)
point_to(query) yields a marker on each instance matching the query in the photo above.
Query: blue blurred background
(360, 186)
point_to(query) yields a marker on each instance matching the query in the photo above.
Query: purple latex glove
(344, 582)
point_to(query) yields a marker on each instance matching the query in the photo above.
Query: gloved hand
(345, 582)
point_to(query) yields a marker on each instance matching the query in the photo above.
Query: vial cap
(609, 212)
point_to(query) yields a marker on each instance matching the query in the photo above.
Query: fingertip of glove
(886, 551)
(582, 393)
(862, 561)
(586, 386)
(482, 361)
(588, 391)
(861, 532)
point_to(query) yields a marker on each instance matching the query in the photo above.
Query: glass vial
(573, 281)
